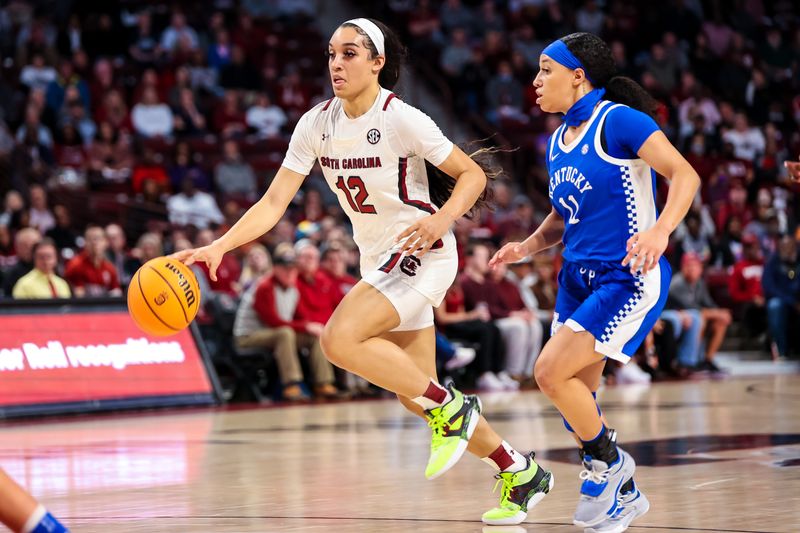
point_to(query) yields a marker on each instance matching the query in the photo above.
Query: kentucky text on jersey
(569, 175)
(350, 162)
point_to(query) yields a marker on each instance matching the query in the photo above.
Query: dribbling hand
(211, 255)
(645, 249)
(510, 253)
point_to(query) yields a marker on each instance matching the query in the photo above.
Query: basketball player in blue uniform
(614, 280)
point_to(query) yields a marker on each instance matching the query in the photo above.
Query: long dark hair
(440, 185)
(395, 52)
(600, 67)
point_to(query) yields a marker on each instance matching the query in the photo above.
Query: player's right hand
(211, 255)
(510, 253)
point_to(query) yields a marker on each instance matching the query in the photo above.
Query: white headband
(373, 32)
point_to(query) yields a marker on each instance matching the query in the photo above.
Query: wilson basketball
(163, 296)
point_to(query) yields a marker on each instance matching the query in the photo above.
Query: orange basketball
(163, 296)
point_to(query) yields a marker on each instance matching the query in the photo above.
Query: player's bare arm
(548, 234)
(259, 219)
(470, 183)
(646, 248)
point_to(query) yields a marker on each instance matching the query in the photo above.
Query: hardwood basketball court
(713, 456)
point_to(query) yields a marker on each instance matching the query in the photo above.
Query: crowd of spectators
(134, 131)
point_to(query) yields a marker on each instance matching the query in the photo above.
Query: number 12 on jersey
(357, 202)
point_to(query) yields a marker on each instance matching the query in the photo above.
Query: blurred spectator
(688, 290)
(271, 315)
(781, 284)
(257, 264)
(229, 121)
(33, 128)
(110, 155)
(233, 175)
(527, 342)
(57, 88)
(118, 254)
(90, 273)
(319, 295)
(333, 264)
(13, 208)
(149, 246)
(457, 54)
(38, 74)
(74, 113)
(744, 286)
(504, 93)
(694, 240)
(238, 74)
(528, 45)
(662, 68)
(219, 52)
(293, 95)
(150, 117)
(589, 18)
(24, 241)
(265, 117)
(544, 287)
(476, 327)
(114, 110)
(149, 167)
(63, 234)
(736, 205)
(69, 150)
(479, 291)
(39, 215)
(178, 35)
(748, 142)
(520, 222)
(453, 14)
(188, 120)
(185, 165)
(144, 48)
(70, 37)
(42, 281)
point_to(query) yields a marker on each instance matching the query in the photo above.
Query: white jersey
(375, 164)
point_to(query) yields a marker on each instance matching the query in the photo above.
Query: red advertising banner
(84, 356)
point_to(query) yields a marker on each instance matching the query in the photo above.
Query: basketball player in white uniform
(372, 148)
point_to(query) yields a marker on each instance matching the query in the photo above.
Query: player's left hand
(418, 238)
(645, 249)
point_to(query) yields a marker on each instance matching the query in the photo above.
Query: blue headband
(558, 52)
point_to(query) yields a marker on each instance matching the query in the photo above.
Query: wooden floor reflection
(713, 456)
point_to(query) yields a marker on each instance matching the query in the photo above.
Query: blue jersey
(598, 184)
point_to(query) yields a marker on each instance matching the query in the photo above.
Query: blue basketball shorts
(618, 308)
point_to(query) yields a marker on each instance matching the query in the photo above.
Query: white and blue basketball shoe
(630, 506)
(601, 487)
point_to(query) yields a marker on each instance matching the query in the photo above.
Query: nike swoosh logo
(553, 157)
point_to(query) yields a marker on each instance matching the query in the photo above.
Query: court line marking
(387, 519)
(707, 483)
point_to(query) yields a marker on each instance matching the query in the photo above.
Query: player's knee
(334, 342)
(545, 377)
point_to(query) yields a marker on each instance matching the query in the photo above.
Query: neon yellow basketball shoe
(452, 425)
(521, 491)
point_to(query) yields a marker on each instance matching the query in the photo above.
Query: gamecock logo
(409, 265)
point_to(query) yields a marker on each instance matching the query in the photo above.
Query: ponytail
(595, 55)
(440, 185)
(624, 90)
(394, 52)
